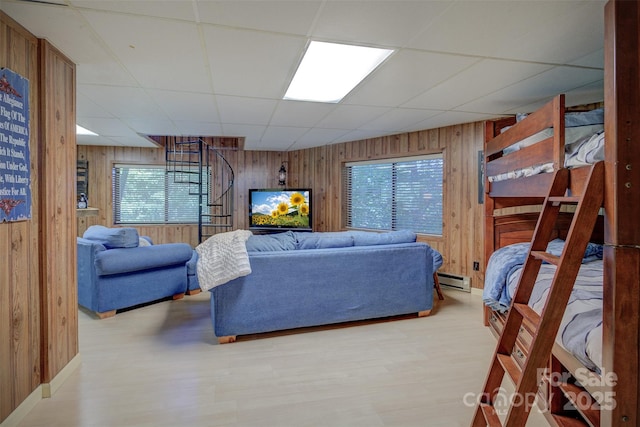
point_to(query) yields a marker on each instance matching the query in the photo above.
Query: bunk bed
(521, 155)
(517, 179)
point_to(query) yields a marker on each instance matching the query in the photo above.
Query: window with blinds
(149, 195)
(395, 194)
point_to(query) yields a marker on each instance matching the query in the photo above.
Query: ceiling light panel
(329, 71)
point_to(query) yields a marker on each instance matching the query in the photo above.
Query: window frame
(117, 216)
(389, 161)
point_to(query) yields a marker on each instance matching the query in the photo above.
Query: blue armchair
(116, 271)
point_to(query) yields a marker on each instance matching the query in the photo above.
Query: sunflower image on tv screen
(280, 209)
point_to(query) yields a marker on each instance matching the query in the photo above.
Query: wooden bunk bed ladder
(542, 328)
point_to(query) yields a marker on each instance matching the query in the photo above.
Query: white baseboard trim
(49, 389)
(476, 291)
(24, 408)
(43, 391)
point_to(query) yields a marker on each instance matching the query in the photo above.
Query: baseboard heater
(453, 281)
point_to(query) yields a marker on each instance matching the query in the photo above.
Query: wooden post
(621, 306)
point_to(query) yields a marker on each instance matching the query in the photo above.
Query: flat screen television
(277, 209)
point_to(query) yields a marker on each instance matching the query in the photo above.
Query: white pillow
(143, 242)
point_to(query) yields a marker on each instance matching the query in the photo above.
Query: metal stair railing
(208, 175)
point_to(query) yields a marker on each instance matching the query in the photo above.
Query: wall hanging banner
(15, 171)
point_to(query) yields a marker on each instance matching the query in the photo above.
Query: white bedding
(587, 149)
(580, 332)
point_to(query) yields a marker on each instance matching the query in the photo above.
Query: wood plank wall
(57, 153)
(19, 244)
(320, 169)
(462, 241)
(38, 307)
(253, 169)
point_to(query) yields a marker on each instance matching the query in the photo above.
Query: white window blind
(149, 195)
(395, 194)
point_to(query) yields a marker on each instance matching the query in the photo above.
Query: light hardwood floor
(160, 365)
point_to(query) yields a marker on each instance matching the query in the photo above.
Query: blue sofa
(308, 279)
(118, 269)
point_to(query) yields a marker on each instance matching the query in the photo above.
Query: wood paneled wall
(57, 153)
(320, 168)
(38, 305)
(19, 245)
(462, 241)
(252, 169)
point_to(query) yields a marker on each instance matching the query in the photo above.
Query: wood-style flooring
(160, 365)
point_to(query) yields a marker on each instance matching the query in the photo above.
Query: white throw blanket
(222, 257)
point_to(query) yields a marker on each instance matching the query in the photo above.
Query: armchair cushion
(111, 238)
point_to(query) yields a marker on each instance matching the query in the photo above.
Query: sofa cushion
(367, 238)
(126, 260)
(111, 238)
(322, 241)
(271, 242)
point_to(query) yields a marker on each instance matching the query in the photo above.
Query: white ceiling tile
(168, 9)
(449, 118)
(256, 64)
(133, 141)
(153, 127)
(592, 92)
(559, 80)
(405, 74)
(541, 42)
(107, 127)
(483, 28)
(221, 67)
(88, 107)
(284, 134)
(376, 23)
(195, 128)
(351, 116)
(539, 88)
(125, 102)
(235, 109)
(594, 59)
(293, 17)
(151, 48)
(358, 135)
(398, 119)
(480, 79)
(196, 107)
(103, 71)
(275, 144)
(92, 140)
(298, 113)
(318, 136)
(251, 133)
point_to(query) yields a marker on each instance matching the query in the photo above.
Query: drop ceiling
(221, 68)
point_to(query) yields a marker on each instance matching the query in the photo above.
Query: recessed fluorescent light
(82, 131)
(329, 71)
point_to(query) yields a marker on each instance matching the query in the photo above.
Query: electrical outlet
(476, 266)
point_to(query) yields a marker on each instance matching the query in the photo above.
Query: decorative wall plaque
(15, 170)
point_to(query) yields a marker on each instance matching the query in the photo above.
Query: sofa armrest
(87, 277)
